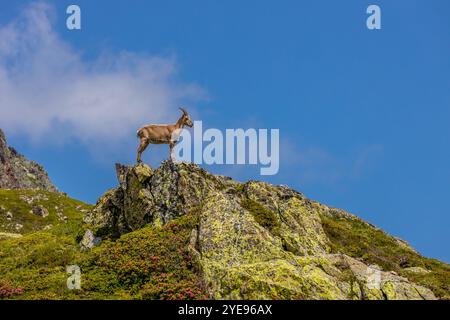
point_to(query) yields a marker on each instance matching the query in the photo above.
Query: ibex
(162, 134)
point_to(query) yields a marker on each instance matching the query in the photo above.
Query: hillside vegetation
(179, 232)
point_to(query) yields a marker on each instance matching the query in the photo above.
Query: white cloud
(48, 92)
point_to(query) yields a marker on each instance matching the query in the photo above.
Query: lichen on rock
(250, 241)
(16, 172)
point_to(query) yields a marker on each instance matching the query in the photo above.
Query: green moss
(438, 280)
(358, 239)
(265, 217)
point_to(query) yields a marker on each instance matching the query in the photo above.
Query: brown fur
(162, 134)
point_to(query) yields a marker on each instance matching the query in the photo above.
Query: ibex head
(186, 119)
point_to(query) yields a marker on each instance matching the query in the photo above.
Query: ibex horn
(184, 111)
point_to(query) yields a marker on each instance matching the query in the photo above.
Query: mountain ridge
(257, 241)
(180, 232)
(16, 172)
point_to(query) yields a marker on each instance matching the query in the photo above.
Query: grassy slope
(154, 263)
(18, 202)
(151, 263)
(359, 240)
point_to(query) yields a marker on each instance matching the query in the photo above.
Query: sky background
(363, 115)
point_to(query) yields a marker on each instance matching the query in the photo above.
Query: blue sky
(363, 115)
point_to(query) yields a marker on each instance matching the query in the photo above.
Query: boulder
(40, 211)
(252, 240)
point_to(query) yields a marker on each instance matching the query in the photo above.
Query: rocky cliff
(16, 172)
(251, 240)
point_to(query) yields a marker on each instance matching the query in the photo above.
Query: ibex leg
(142, 146)
(172, 155)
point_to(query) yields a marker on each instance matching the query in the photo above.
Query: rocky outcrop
(16, 172)
(252, 240)
(40, 211)
(89, 240)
